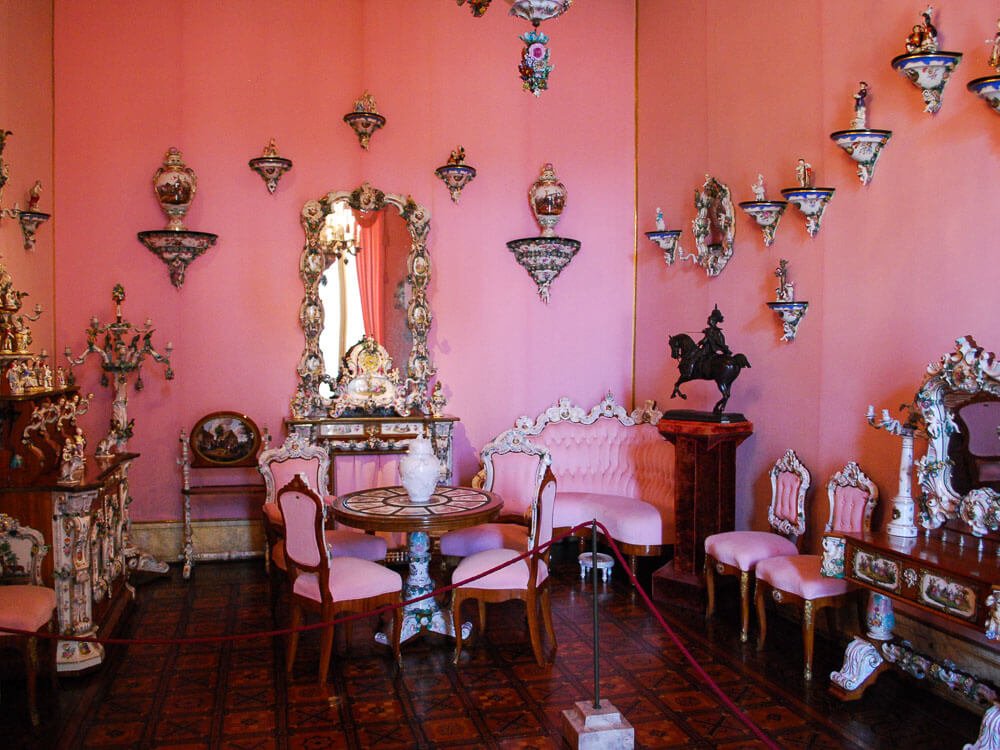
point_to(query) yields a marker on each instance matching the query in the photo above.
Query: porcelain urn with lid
(419, 470)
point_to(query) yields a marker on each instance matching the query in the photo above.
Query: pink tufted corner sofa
(610, 465)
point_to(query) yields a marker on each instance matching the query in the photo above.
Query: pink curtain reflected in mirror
(371, 270)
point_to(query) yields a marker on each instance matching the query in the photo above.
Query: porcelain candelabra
(122, 350)
(901, 523)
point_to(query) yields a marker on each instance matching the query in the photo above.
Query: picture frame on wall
(225, 439)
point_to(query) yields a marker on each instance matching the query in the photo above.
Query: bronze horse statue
(722, 368)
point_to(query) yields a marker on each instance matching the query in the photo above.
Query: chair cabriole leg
(761, 588)
(709, 586)
(744, 605)
(808, 636)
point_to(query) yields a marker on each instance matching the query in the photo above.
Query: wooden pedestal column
(705, 500)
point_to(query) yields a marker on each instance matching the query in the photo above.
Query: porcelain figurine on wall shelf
(365, 119)
(665, 238)
(30, 218)
(766, 213)
(788, 310)
(810, 200)
(709, 359)
(456, 174)
(988, 87)
(924, 64)
(863, 144)
(270, 166)
(545, 257)
(175, 185)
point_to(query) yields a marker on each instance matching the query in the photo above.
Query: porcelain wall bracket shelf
(666, 239)
(545, 257)
(30, 218)
(810, 200)
(365, 119)
(924, 64)
(456, 174)
(788, 310)
(270, 166)
(175, 185)
(988, 87)
(863, 144)
(766, 213)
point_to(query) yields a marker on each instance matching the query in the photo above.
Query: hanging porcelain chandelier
(340, 235)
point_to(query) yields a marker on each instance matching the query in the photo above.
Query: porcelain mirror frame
(958, 378)
(308, 401)
(713, 195)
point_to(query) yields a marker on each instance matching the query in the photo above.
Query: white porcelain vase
(419, 470)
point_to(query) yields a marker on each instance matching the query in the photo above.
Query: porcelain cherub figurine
(759, 193)
(994, 60)
(804, 174)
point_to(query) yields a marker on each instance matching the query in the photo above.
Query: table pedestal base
(425, 614)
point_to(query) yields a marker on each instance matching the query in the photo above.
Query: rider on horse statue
(709, 359)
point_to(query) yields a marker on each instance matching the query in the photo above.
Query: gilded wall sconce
(175, 185)
(988, 87)
(666, 239)
(924, 64)
(788, 310)
(545, 257)
(811, 201)
(766, 213)
(365, 119)
(270, 166)
(863, 144)
(456, 174)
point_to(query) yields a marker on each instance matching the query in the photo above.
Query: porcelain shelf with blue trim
(863, 144)
(924, 64)
(811, 201)
(766, 213)
(456, 174)
(666, 239)
(787, 308)
(988, 87)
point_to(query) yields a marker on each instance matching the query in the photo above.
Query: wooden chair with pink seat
(525, 580)
(797, 579)
(325, 583)
(278, 466)
(514, 468)
(25, 604)
(737, 553)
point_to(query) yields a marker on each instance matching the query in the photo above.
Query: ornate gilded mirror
(714, 226)
(379, 273)
(959, 404)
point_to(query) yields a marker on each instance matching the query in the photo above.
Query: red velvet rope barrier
(706, 678)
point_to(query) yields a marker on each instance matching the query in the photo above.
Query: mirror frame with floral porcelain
(308, 401)
(959, 377)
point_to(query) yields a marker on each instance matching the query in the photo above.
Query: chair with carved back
(278, 466)
(514, 468)
(325, 583)
(797, 579)
(25, 604)
(526, 580)
(737, 553)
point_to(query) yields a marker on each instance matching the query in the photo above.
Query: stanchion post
(597, 640)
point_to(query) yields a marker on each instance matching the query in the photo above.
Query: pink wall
(26, 107)
(218, 79)
(899, 269)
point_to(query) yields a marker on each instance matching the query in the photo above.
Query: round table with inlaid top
(390, 509)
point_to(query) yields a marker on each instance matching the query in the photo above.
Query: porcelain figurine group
(30, 375)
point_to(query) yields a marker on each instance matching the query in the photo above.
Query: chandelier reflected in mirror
(340, 235)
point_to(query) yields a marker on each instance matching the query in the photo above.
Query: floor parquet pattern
(235, 695)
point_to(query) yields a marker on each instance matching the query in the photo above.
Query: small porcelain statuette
(788, 310)
(456, 174)
(988, 87)
(666, 239)
(863, 144)
(766, 213)
(810, 200)
(924, 64)
(72, 464)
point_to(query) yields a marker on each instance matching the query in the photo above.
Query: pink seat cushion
(799, 575)
(465, 542)
(351, 578)
(627, 519)
(514, 576)
(342, 543)
(26, 607)
(745, 549)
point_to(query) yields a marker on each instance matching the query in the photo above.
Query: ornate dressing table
(949, 571)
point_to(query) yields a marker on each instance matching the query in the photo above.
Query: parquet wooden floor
(236, 695)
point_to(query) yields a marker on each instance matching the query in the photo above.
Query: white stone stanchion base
(604, 728)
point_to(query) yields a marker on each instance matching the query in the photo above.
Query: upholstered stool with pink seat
(738, 553)
(611, 465)
(797, 579)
